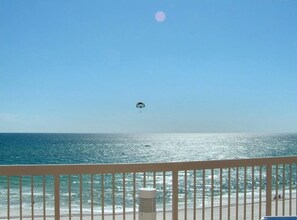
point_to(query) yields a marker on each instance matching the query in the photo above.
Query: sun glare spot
(160, 16)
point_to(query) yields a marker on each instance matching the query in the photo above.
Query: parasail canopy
(140, 105)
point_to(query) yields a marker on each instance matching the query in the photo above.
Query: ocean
(139, 148)
(24, 149)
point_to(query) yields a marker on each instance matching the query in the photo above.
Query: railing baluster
(80, 197)
(57, 196)
(195, 194)
(69, 196)
(92, 197)
(44, 200)
(237, 179)
(290, 190)
(268, 189)
(186, 195)
(221, 192)
(203, 194)
(113, 196)
(21, 197)
(296, 188)
(284, 195)
(164, 195)
(245, 186)
(212, 192)
(175, 195)
(8, 197)
(276, 190)
(102, 196)
(253, 192)
(229, 192)
(124, 196)
(32, 197)
(260, 192)
(134, 196)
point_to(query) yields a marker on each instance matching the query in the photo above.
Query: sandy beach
(244, 212)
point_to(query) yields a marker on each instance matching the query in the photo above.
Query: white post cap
(147, 193)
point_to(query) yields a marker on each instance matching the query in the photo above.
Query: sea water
(139, 148)
(23, 149)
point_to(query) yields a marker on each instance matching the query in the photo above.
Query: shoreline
(243, 211)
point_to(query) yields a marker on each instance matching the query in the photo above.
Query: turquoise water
(129, 148)
(124, 148)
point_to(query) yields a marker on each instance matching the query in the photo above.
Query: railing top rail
(16, 170)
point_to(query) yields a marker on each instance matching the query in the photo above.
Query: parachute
(140, 105)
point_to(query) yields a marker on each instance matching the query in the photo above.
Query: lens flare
(160, 16)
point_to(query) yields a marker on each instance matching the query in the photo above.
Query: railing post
(57, 196)
(268, 189)
(175, 195)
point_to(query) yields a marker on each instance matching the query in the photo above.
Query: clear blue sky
(210, 66)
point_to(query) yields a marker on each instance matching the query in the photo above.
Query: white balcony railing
(223, 189)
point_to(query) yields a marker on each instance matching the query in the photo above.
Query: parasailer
(140, 105)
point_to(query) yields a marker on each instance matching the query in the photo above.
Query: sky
(206, 66)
